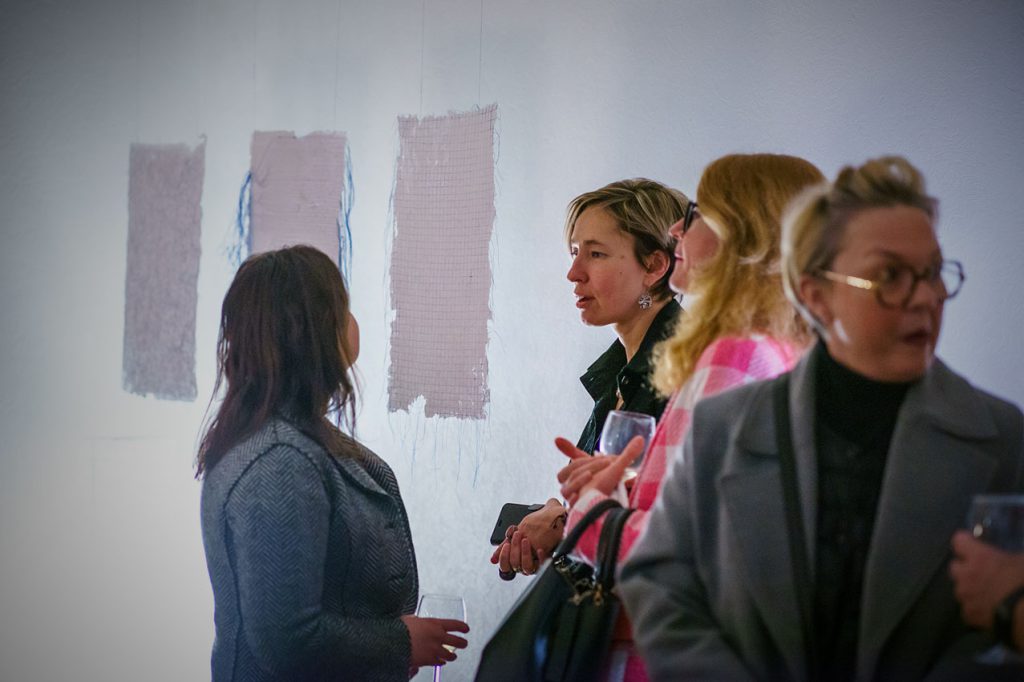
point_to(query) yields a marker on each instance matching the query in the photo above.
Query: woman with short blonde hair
(622, 258)
(813, 227)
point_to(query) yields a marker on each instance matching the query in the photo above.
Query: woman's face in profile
(606, 275)
(694, 247)
(883, 342)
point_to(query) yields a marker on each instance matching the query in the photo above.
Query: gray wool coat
(709, 587)
(311, 561)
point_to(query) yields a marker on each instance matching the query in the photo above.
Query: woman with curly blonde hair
(738, 327)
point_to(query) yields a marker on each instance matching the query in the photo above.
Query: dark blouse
(611, 373)
(856, 418)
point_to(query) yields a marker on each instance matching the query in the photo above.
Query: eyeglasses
(897, 283)
(690, 215)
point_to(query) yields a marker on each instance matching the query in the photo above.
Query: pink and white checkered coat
(728, 362)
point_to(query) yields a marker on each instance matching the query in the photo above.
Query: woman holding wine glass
(804, 531)
(739, 329)
(622, 256)
(306, 536)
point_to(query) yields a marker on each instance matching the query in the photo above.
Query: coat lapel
(936, 462)
(354, 471)
(801, 418)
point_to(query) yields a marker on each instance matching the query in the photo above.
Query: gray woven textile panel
(165, 187)
(440, 266)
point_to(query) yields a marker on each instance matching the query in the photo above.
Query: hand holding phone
(511, 514)
(534, 538)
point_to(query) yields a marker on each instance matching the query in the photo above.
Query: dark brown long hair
(282, 349)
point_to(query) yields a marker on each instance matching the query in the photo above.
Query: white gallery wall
(102, 575)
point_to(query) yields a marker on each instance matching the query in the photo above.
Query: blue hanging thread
(348, 197)
(242, 246)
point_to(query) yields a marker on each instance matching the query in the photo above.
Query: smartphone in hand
(511, 515)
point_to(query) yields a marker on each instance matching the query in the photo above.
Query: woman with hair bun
(803, 532)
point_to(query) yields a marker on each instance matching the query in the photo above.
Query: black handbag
(561, 627)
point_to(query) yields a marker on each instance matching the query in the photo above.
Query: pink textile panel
(165, 186)
(440, 267)
(297, 187)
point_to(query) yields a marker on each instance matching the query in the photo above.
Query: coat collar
(604, 373)
(354, 471)
(937, 461)
(345, 463)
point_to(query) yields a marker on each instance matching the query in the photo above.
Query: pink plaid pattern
(727, 363)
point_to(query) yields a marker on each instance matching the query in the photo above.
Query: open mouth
(921, 337)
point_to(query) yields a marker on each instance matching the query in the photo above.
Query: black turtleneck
(856, 418)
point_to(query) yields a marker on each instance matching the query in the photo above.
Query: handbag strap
(570, 540)
(608, 546)
(795, 521)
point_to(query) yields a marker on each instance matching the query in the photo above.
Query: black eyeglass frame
(923, 276)
(690, 215)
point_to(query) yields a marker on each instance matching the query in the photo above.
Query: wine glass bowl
(620, 427)
(998, 520)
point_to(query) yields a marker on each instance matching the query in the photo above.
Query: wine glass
(441, 606)
(999, 521)
(620, 427)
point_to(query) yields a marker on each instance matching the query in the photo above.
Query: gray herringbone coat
(310, 559)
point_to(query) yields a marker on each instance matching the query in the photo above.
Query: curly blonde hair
(739, 290)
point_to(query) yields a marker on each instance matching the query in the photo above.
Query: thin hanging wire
(480, 55)
(423, 44)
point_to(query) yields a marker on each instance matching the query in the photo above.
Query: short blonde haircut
(738, 291)
(643, 209)
(815, 223)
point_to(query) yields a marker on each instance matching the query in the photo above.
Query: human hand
(544, 527)
(527, 545)
(982, 576)
(431, 636)
(600, 472)
(581, 467)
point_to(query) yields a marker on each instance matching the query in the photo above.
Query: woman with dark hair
(306, 536)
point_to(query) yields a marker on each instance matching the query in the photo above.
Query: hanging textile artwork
(299, 193)
(165, 186)
(440, 271)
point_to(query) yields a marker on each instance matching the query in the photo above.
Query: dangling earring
(645, 300)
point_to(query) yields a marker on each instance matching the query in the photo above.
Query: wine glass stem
(437, 673)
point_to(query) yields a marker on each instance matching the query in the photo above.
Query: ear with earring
(645, 300)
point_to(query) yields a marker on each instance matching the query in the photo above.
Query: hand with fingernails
(600, 472)
(430, 639)
(529, 544)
